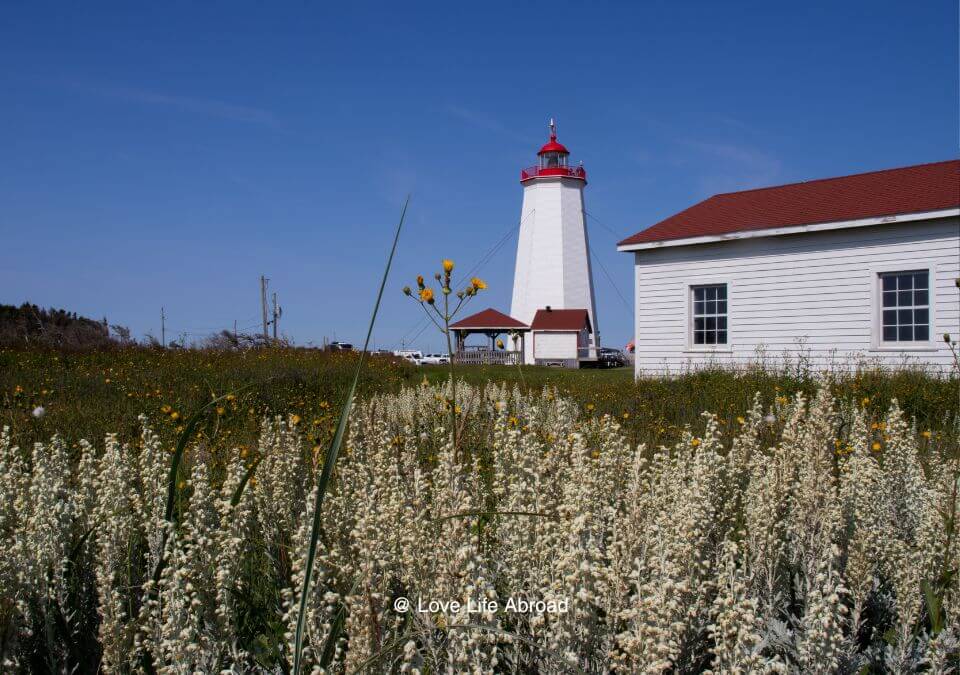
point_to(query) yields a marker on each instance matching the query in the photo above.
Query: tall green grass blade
(238, 493)
(331, 458)
(330, 645)
(182, 441)
(172, 487)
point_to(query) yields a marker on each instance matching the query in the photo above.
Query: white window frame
(688, 288)
(876, 308)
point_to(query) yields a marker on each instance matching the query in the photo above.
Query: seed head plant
(442, 318)
(753, 548)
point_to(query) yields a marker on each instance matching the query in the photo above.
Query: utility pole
(163, 328)
(276, 315)
(263, 303)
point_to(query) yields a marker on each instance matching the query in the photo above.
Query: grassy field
(88, 394)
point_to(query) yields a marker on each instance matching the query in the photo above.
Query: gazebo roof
(489, 319)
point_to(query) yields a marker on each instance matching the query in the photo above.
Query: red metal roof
(560, 319)
(489, 318)
(553, 146)
(911, 189)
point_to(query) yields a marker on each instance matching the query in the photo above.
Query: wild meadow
(752, 522)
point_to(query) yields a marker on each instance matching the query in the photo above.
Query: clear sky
(168, 153)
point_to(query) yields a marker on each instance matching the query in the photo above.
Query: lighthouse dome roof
(553, 146)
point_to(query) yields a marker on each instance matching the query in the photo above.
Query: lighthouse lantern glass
(552, 160)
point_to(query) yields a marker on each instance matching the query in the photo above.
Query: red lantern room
(553, 161)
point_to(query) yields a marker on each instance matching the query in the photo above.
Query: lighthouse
(552, 270)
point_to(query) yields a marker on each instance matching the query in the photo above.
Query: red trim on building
(532, 172)
(911, 189)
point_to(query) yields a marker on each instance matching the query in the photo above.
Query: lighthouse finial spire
(553, 130)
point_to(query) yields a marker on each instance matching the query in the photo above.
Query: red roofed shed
(561, 337)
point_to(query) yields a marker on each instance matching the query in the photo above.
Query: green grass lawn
(86, 395)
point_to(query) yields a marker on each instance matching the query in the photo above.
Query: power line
(600, 262)
(599, 222)
(422, 324)
(610, 279)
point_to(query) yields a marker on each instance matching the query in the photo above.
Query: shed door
(555, 346)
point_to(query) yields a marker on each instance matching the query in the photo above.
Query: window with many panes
(905, 306)
(710, 315)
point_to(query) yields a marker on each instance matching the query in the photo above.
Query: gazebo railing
(487, 357)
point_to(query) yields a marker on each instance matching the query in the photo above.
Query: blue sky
(169, 153)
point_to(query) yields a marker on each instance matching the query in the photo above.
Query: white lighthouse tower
(553, 253)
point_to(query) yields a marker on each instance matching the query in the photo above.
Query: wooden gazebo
(493, 324)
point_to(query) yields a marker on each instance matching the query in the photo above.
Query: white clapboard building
(830, 273)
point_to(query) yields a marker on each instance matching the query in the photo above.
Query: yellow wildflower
(925, 434)
(740, 420)
(294, 419)
(221, 410)
(426, 295)
(875, 446)
(478, 283)
(174, 415)
(695, 442)
(447, 266)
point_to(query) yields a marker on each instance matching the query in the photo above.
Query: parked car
(414, 356)
(340, 347)
(436, 359)
(607, 357)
